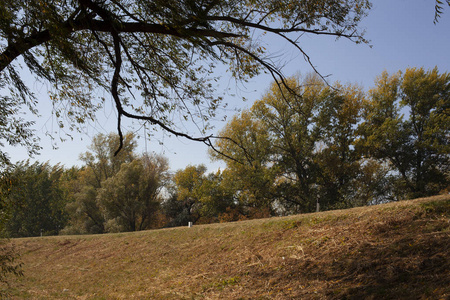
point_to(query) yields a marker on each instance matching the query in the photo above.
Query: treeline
(107, 194)
(310, 144)
(304, 145)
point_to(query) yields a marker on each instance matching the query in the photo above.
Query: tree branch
(17, 48)
(277, 30)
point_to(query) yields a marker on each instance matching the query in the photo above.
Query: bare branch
(278, 30)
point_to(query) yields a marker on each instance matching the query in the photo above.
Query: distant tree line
(304, 145)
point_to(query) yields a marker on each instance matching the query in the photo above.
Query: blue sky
(402, 35)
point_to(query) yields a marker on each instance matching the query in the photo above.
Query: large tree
(339, 164)
(102, 161)
(100, 165)
(130, 199)
(36, 200)
(157, 59)
(198, 197)
(188, 192)
(290, 120)
(292, 150)
(407, 123)
(249, 151)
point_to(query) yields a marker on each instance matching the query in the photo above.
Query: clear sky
(402, 35)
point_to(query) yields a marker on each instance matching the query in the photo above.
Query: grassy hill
(392, 251)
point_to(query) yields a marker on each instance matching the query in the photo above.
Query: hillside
(392, 251)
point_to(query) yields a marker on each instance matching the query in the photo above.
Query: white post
(189, 224)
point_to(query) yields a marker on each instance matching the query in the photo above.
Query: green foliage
(188, 188)
(248, 141)
(198, 197)
(215, 197)
(85, 215)
(114, 193)
(100, 165)
(289, 119)
(131, 197)
(416, 148)
(101, 159)
(339, 164)
(35, 200)
(298, 145)
(157, 59)
(307, 142)
(14, 130)
(188, 184)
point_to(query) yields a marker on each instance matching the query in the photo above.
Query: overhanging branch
(18, 47)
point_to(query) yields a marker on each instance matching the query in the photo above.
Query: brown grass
(393, 251)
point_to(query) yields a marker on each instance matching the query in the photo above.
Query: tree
(247, 151)
(130, 198)
(217, 198)
(36, 200)
(14, 130)
(198, 197)
(102, 160)
(339, 163)
(100, 165)
(278, 136)
(157, 59)
(188, 190)
(84, 213)
(290, 120)
(417, 147)
(297, 149)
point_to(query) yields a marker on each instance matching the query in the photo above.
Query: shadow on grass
(402, 256)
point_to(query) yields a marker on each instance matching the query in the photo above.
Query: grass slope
(392, 251)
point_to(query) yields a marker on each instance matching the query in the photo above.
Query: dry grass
(393, 251)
